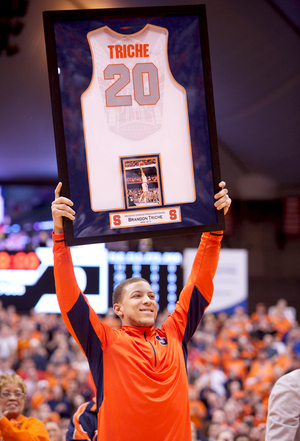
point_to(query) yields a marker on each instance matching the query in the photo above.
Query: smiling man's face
(138, 306)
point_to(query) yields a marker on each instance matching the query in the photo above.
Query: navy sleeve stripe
(90, 342)
(197, 306)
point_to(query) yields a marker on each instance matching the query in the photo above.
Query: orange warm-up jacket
(139, 373)
(23, 429)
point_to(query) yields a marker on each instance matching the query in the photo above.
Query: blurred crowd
(233, 363)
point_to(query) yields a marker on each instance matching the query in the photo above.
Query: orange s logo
(173, 214)
(117, 219)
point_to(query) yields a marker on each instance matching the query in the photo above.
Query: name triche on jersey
(137, 50)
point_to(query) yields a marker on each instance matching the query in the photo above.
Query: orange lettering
(130, 50)
(111, 51)
(138, 50)
(146, 48)
(119, 53)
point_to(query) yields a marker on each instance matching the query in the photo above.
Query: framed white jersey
(134, 106)
(134, 122)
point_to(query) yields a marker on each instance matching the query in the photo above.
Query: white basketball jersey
(133, 106)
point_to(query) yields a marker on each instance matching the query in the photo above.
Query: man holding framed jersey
(139, 372)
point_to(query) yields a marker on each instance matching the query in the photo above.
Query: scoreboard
(26, 278)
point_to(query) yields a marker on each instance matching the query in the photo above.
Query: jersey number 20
(138, 75)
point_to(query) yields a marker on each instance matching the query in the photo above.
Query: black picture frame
(133, 115)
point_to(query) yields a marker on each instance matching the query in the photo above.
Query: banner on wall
(230, 282)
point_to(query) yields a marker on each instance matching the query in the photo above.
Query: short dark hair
(118, 292)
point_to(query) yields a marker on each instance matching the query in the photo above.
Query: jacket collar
(139, 331)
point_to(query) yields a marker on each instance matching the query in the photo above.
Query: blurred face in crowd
(54, 431)
(213, 430)
(225, 435)
(243, 438)
(218, 416)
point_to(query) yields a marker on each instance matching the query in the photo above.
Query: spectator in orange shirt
(41, 395)
(13, 425)
(247, 349)
(260, 311)
(50, 374)
(210, 355)
(197, 408)
(261, 372)
(282, 307)
(44, 413)
(236, 365)
(260, 414)
(261, 321)
(224, 343)
(280, 323)
(233, 386)
(241, 317)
